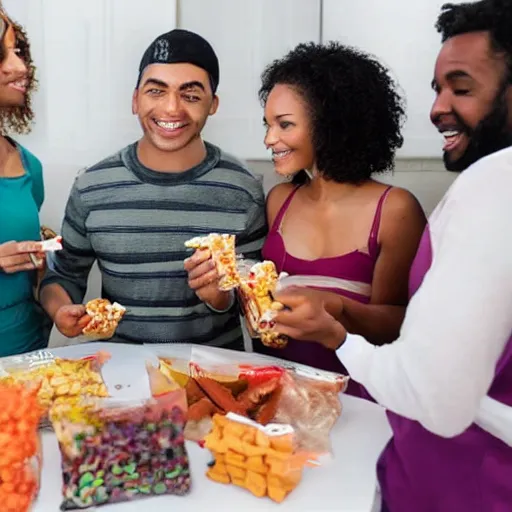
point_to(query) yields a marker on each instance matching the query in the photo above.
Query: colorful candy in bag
(60, 380)
(115, 452)
(20, 447)
(262, 460)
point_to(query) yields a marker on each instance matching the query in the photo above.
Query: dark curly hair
(493, 16)
(355, 109)
(19, 119)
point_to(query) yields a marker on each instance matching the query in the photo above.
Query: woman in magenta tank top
(333, 120)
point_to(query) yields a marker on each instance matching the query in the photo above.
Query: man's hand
(21, 256)
(203, 278)
(70, 320)
(306, 318)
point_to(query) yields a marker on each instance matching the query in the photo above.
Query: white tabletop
(345, 484)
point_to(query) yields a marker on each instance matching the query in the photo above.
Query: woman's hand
(21, 256)
(306, 317)
(203, 278)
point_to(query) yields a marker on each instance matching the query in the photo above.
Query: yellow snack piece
(62, 379)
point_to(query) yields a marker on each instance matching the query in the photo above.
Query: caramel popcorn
(256, 293)
(222, 249)
(105, 318)
(61, 380)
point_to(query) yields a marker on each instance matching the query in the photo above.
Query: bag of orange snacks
(20, 447)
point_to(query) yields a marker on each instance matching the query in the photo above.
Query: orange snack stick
(259, 459)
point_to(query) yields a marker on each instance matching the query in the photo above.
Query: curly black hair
(493, 16)
(355, 109)
(19, 119)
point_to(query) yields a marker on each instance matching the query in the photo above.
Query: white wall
(401, 34)
(247, 35)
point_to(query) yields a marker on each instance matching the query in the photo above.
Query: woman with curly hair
(21, 196)
(333, 119)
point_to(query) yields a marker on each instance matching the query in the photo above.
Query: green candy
(159, 488)
(133, 476)
(98, 482)
(86, 480)
(174, 473)
(145, 489)
(117, 470)
(130, 468)
(100, 473)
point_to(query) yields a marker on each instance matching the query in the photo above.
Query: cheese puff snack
(20, 448)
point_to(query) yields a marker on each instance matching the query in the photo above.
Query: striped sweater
(134, 221)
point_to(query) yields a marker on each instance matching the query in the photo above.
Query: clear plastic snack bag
(273, 390)
(59, 380)
(263, 460)
(20, 447)
(258, 283)
(118, 451)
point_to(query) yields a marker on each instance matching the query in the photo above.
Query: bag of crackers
(265, 460)
(119, 451)
(266, 390)
(59, 380)
(20, 446)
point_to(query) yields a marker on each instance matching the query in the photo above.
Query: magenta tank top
(351, 275)
(421, 472)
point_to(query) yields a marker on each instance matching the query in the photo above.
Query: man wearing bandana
(133, 211)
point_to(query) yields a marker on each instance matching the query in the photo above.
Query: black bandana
(182, 46)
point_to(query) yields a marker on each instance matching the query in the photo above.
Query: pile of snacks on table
(263, 420)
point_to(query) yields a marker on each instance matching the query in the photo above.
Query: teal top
(20, 201)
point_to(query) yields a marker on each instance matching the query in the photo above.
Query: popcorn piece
(222, 249)
(51, 245)
(105, 318)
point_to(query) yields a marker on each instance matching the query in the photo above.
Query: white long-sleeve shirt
(459, 321)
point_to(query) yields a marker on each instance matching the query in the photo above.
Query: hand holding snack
(21, 256)
(104, 319)
(305, 318)
(70, 320)
(204, 278)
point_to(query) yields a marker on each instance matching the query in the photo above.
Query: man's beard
(490, 135)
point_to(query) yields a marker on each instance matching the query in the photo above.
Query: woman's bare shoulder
(275, 199)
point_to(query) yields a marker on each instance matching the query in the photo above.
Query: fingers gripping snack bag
(223, 254)
(258, 283)
(20, 447)
(115, 452)
(105, 318)
(262, 460)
